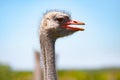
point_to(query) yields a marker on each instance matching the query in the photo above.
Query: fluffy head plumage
(53, 21)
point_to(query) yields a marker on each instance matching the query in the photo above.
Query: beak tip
(83, 23)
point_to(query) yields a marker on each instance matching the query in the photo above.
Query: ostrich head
(59, 24)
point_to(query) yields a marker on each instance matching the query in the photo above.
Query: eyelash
(60, 19)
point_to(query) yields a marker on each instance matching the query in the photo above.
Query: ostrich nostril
(75, 21)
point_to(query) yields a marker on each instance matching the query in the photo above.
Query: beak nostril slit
(75, 21)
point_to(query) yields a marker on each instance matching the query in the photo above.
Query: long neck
(48, 52)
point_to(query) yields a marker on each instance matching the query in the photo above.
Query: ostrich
(54, 24)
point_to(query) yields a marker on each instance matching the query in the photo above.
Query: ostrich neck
(48, 52)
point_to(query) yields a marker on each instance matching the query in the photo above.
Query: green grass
(6, 73)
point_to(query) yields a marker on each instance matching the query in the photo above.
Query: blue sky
(98, 46)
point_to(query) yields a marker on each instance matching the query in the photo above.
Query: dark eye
(60, 20)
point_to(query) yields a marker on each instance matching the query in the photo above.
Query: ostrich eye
(60, 20)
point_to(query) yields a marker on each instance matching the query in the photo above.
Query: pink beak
(73, 22)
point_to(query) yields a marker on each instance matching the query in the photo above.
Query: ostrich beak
(73, 25)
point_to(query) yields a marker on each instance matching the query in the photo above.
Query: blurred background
(90, 55)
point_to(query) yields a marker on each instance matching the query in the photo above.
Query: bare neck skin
(48, 53)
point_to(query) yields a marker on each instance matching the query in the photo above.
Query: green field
(6, 73)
